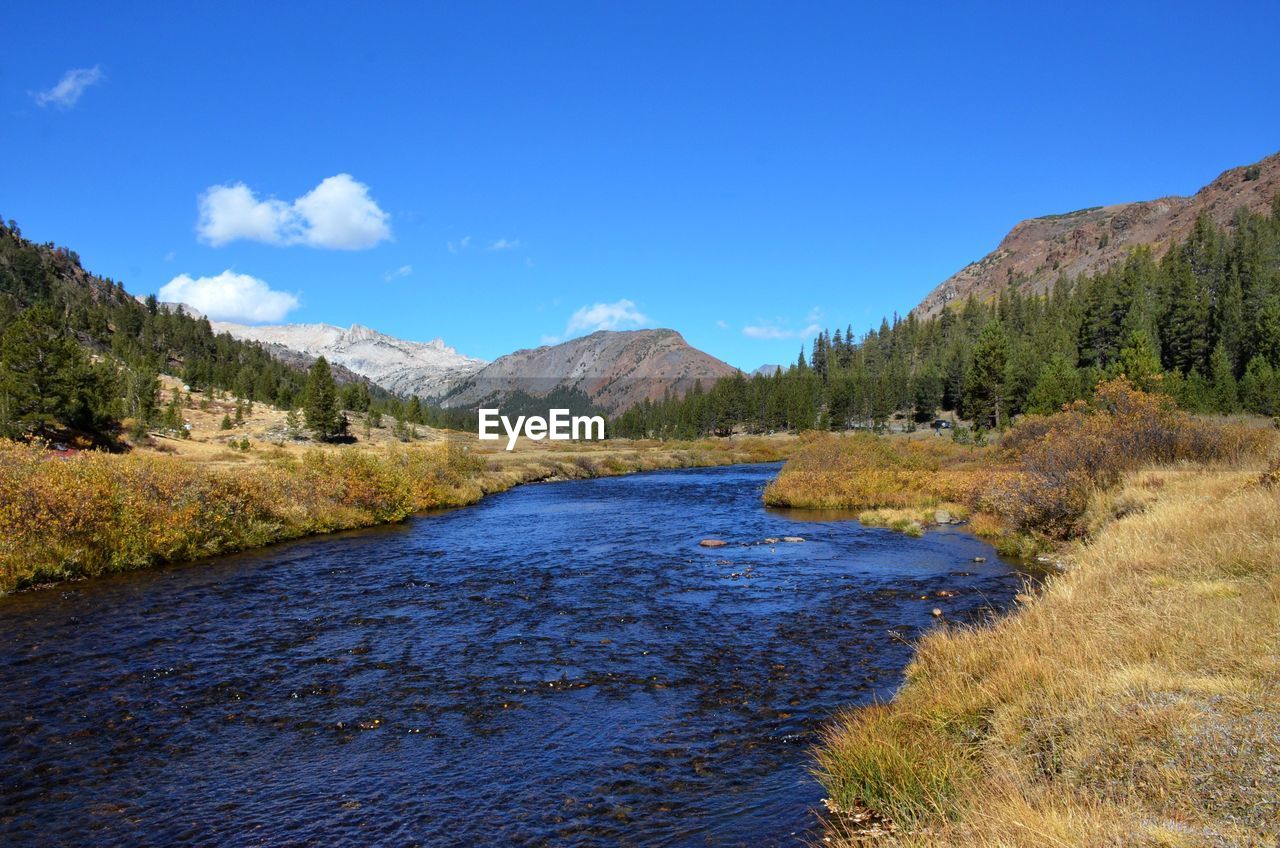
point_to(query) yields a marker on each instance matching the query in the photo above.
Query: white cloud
(230, 297)
(67, 92)
(723, 325)
(604, 316)
(505, 244)
(775, 332)
(402, 271)
(778, 330)
(231, 212)
(599, 316)
(338, 214)
(460, 245)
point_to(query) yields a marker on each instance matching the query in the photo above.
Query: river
(561, 664)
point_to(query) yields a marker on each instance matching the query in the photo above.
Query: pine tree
(1259, 390)
(45, 377)
(1228, 317)
(321, 408)
(1186, 320)
(1266, 331)
(1226, 397)
(986, 389)
(1140, 361)
(1058, 384)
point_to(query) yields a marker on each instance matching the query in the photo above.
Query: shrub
(95, 512)
(1063, 458)
(1039, 481)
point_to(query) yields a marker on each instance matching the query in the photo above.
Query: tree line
(79, 354)
(1201, 324)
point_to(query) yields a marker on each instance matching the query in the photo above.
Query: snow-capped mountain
(427, 369)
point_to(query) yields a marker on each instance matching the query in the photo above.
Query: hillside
(79, 355)
(615, 369)
(426, 369)
(1038, 251)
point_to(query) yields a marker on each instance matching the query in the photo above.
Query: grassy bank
(92, 513)
(1132, 701)
(1028, 493)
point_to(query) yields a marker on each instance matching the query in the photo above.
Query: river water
(561, 664)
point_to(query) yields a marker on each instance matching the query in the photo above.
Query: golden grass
(868, 472)
(1131, 703)
(94, 513)
(1039, 486)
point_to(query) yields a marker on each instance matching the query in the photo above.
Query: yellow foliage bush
(94, 512)
(1039, 481)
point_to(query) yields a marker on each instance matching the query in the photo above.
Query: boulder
(792, 539)
(713, 543)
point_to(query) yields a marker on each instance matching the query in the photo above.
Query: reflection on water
(559, 665)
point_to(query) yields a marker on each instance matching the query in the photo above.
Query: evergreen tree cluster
(1201, 324)
(54, 315)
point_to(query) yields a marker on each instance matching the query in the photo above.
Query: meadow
(1129, 701)
(1027, 493)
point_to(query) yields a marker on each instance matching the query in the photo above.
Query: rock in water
(713, 543)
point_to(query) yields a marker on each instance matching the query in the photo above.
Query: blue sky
(501, 175)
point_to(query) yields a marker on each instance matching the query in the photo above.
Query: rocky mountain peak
(1039, 250)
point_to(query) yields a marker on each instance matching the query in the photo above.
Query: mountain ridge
(616, 369)
(1037, 251)
(428, 369)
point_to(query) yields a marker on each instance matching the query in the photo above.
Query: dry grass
(868, 472)
(93, 512)
(1039, 486)
(1131, 703)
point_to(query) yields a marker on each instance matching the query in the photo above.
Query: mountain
(767, 370)
(615, 369)
(427, 369)
(1039, 250)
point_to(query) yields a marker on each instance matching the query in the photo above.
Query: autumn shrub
(1270, 478)
(1062, 459)
(1037, 484)
(95, 512)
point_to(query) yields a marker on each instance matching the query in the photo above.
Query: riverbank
(91, 513)
(1131, 701)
